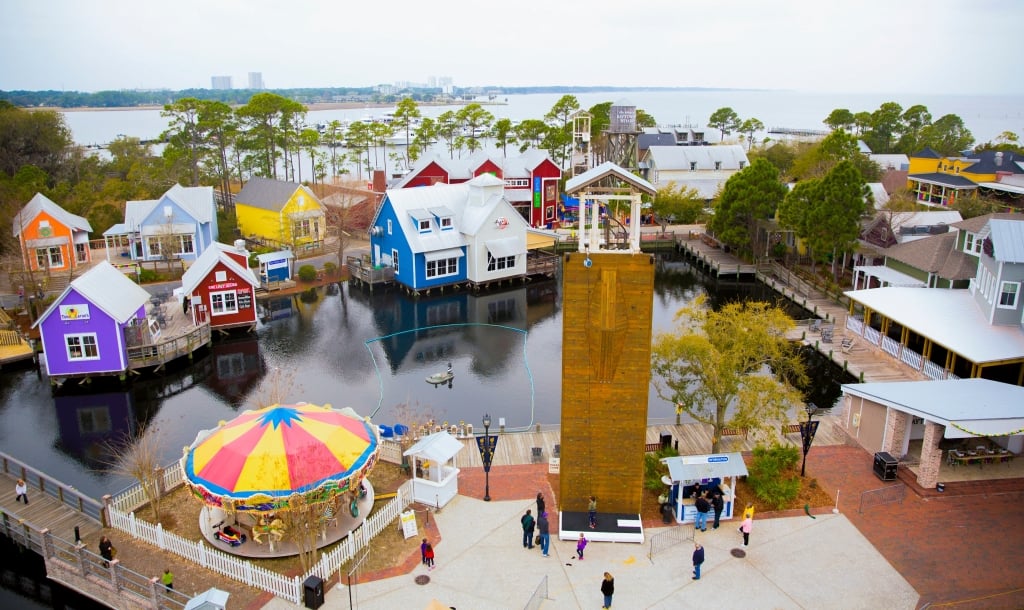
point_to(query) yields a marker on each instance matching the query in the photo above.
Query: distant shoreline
(310, 107)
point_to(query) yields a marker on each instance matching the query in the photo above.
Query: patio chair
(848, 344)
(815, 325)
(536, 454)
(951, 457)
(558, 451)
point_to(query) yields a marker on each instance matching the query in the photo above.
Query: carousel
(254, 470)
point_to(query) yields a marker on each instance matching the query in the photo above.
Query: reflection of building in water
(276, 309)
(88, 421)
(450, 325)
(238, 366)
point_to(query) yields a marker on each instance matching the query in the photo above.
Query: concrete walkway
(795, 562)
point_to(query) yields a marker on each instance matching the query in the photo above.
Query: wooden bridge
(713, 257)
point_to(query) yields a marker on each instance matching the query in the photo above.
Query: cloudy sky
(869, 46)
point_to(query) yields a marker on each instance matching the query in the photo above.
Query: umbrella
(263, 459)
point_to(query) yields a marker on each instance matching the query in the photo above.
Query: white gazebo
(435, 479)
(688, 470)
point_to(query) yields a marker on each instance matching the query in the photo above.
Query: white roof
(967, 407)
(891, 161)
(205, 262)
(730, 156)
(107, 288)
(606, 169)
(707, 188)
(1008, 239)
(890, 276)
(438, 447)
(948, 317)
(41, 203)
(879, 193)
(697, 467)
(196, 200)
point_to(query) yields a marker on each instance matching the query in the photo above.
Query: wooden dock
(53, 505)
(712, 256)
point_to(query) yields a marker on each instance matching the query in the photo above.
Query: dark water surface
(348, 348)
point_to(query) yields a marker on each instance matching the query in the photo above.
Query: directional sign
(487, 445)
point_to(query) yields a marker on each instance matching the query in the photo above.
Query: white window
(220, 276)
(394, 259)
(81, 252)
(42, 257)
(389, 226)
(82, 347)
(446, 223)
(1008, 292)
(223, 303)
(185, 245)
(424, 225)
(501, 262)
(302, 228)
(153, 245)
(517, 182)
(443, 267)
(972, 244)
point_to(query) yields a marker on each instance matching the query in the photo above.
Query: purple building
(88, 329)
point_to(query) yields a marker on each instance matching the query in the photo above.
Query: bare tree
(138, 455)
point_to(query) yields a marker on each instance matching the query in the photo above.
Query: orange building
(51, 237)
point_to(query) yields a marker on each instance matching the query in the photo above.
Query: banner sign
(487, 445)
(807, 431)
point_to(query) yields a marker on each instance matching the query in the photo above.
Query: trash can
(885, 466)
(666, 441)
(313, 592)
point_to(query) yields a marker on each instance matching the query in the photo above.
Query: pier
(712, 257)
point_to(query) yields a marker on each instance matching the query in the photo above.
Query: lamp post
(487, 458)
(807, 431)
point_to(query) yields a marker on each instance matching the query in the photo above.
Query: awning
(508, 246)
(984, 427)
(118, 229)
(44, 242)
(697, 467)
(437, 255)
(174, 228)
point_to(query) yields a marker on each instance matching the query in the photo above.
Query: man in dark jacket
(703, 508)
(528, 526)
(698, 558)
(717, 504)
(545, 538)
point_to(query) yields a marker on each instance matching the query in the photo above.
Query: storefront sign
(409, 524)
(74, 312)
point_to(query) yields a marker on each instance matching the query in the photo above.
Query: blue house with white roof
(180, 225)
(449, 234)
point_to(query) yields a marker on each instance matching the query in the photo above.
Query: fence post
(83, 559)
(154, 593)
(160, 536)
(113, 574)
(105, 511)
(47, 543)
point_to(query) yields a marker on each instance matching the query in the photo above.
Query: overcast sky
(871, 46)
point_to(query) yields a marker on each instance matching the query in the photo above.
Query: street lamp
(487, 458)
(808, 429)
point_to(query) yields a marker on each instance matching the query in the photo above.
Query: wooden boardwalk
(45, 511)
(712, 256)
(693, 439)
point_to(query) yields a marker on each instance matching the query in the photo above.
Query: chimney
(999, 158)
(380, 181)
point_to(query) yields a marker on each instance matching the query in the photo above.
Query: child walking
(580, 545)
(423, 551)
(429, 554)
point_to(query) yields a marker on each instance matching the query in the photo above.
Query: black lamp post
(487, 458)
(807, 431)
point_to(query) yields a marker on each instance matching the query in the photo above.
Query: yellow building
(939, 180)
(280, 213)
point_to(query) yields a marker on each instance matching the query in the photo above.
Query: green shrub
(773, 475)
(330, 268)
(147, 276)
(307, 273)
(654, 469)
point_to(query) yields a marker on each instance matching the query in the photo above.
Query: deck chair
(558, 451)
(848, 344)
(536, 454)
(815, 325)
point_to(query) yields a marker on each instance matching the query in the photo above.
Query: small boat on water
(443, 377)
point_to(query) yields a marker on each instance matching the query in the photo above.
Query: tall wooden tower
(607, 300)
(621, 137)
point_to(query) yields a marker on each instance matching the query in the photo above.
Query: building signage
(408, 524)
(222, 286)
(704, 459)
(281, 262)
(74, 312)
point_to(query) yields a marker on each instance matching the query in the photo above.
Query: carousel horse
(275, 529)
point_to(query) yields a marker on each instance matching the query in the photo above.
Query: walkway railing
(897, 350)
(242, 570)
(664, 541)
(539, 595)
(892, 494)
(165, 351)
(68, 561)
(64, 493)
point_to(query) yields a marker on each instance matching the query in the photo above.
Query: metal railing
(664, 541)
(892, 494)
(539, 595)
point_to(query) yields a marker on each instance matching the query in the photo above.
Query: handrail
(179, 346)
(64, 493)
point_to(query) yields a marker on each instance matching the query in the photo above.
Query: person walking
(580, 545)
(528, 527)
(703, 508)
(592, 512)
(167, 579)
(698, 558)
(429, 554)
(745, 529)
(21, 491)
(607, 589)
(106, 551)
(540, 504)
(748, 512)
(423, 551)
(717, 504)
(545, 537)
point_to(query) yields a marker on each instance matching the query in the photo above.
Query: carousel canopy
(279, 451)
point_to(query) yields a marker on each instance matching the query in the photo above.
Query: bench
(791, 428)
(735, 432)
(652, 447)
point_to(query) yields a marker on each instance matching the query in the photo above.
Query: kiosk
(686, 472)
(435, 479)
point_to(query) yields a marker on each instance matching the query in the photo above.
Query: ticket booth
(276, 266)
(689, 473)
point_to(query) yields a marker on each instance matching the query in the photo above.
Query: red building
(531, 180)
(220, 287)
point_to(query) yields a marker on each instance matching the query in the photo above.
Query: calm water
(347, 348)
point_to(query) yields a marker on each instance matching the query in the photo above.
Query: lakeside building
(936, 179)
(281, 214)
(180, 225)
(220, 288)
(50, 237)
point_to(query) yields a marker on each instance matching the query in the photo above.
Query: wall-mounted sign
(74, 312)
(501, 222)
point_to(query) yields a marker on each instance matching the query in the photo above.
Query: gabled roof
(136, 212)
(926, 153)
(1007, 239)
(976, 224)
(438, 447)
(992, 161)
(607, 170)
(944, 180)
(668, 158)
(891, 161)
(967, 407)
(464, 169)
(205, 262)
(936, 254)
(270, 194)
(107, 288)
(41, 203)
(196, 200)
(647, 140)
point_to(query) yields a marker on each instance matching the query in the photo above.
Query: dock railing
(62, 492)
(153, 354)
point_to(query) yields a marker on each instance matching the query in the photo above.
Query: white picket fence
(123, 519)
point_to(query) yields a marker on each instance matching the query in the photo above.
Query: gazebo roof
(438, 447)
(696, 467)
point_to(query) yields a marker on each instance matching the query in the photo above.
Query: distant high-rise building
(255, 80)
(220, 82)
(432, 82)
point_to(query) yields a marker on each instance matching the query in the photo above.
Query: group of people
(540, 525)
(706, 502)
(744, 530)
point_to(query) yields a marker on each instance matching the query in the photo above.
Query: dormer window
(718, 165)
(693, 166)
(424, 225)
(446, 223)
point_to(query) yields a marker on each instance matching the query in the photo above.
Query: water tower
(621, 136)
